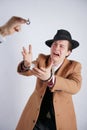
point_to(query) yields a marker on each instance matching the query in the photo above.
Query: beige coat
(68, 82)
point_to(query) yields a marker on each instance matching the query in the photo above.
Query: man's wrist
(23, 67)
(27, 66)
(48, 78)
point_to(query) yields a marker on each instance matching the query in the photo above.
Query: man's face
(59, 50)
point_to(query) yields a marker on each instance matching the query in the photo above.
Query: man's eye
(61, 46)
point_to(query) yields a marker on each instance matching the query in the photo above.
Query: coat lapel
(62, 70)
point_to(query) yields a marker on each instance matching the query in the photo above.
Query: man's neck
(57, 63)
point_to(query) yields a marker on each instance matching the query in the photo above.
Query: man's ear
(68, 53)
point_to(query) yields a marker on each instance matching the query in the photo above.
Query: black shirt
(46, 119)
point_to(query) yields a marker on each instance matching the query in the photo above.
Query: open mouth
(56, 54)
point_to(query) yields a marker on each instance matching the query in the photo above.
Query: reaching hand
(12, 25)
(27, 56)
(43, 73)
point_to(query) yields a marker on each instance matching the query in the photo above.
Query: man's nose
(57, 47)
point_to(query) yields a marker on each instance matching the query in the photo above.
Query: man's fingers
(30, 49)
(18, 28)
(48, 68)
(19, 19)
(23, 21)
(23, 54)
(24, 50)
(43, 69)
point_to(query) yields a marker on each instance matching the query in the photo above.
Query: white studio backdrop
(46, 16)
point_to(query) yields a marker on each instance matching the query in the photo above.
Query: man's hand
(43, 73)
(12, 25)
(27, 56)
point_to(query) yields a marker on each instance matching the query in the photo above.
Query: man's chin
(55, 59)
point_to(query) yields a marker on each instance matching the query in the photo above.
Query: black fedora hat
(63, 35)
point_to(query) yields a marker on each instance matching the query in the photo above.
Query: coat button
(38, 109)
(33, 121)
(41, 96)
(58, 114)
(55, 101)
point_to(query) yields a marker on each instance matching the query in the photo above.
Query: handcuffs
(28, 21)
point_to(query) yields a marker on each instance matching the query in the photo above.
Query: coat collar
(61, 69)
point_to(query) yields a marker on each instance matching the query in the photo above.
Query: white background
(47, 16)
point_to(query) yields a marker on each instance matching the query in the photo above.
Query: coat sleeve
(40, 60)
(70, 84)
(27, 72)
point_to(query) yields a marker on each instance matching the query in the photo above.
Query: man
(12, 25)
(50, 107)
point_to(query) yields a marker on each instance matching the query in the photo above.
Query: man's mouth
(56, 54)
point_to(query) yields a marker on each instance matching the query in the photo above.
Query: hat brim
(74, 43)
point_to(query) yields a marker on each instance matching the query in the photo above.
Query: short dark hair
(70, 47)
